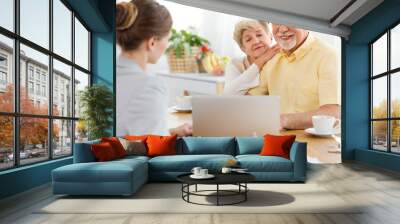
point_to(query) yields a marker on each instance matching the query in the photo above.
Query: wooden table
(319, 149)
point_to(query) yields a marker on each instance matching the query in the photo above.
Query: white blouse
(240, 76)
(142, 101)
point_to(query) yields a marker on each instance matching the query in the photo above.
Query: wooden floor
(379, 189)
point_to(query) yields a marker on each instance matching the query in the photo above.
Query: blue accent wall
(98, 15)
(103, 53)
(356, 134)
(24, 178)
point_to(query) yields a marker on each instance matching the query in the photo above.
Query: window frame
(16, 115)
(389, 73)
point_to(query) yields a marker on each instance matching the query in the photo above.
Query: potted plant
(184, 46)
(96, 102)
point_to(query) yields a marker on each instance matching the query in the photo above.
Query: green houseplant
(96, 102)
(183, 40)
(184, 50)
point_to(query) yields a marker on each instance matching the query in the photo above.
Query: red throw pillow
(277, 145)
(116, 145)
(103, 152)
(161, 145)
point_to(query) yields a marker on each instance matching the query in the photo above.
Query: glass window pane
(81, 45)
(81, 131)
(379, 135)
(395, 138)
(81, 81)
(33, 140)
(62, 138)
(62, 29)
(379, 97)
(62, 89)
(395, 47)
(379, 55)
(35, 21)
(34, 72)
(6, 142)
(395, 94)
(6, 74)
(7, 14)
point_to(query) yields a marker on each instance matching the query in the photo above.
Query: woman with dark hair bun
(143, 30)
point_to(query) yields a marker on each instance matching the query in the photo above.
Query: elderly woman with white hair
(255, 40)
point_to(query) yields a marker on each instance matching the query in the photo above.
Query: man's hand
(183, 130)
(304, 120)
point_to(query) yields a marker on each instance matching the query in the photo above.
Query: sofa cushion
(249, 145)
(116, 145)
(206, 145)
(185, 163)
(161, 145)
(257, 163)
(136, 147)
(103, 152)
(277, 145)
(112, 171)
(83, 152)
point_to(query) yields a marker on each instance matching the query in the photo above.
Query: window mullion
(50, 81)
(73, 82)
(16, 70)
(389, 101)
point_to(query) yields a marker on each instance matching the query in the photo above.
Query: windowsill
(381, 159)
(17, 169)
(380, 151)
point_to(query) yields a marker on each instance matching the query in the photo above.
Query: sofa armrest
(298, 155)
(83, 152)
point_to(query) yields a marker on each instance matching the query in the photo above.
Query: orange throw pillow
(116, 145)
(277, 145)
(161, 145)
(103, 152)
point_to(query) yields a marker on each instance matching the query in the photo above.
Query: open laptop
(235, 115)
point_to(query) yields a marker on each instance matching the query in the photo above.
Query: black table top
(220, 178)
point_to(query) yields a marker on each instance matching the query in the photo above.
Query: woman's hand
(264, 58)
(182, 130)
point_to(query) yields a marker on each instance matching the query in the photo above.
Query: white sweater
(238, 79)
(142, 101)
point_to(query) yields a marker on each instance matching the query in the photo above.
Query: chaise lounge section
(125, 176)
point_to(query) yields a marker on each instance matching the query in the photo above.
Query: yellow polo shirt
(304, 80)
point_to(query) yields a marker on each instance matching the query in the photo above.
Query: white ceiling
(325, 16)
(321, 9)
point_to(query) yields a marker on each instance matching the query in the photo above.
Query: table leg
(245, 193)
(196, 188)
(217, 194)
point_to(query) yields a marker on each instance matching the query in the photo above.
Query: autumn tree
(33, 131)
(380, 127)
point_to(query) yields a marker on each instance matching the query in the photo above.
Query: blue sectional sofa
(125, 176)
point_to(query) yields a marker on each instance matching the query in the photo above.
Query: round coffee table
(238, 179)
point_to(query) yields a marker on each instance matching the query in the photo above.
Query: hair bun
(126, 15)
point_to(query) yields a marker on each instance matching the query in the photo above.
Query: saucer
(185, 110)
(208, 176)
(313, 132)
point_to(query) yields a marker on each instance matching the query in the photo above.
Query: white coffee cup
(196, 171)
(226, 170)
(184, 102)
(203, 172)
(324, 124)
